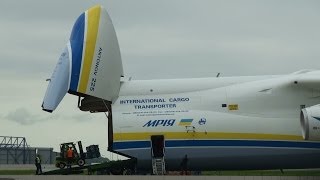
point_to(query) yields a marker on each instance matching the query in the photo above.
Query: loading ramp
(118, 167)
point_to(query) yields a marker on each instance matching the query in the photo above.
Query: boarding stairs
(158, 166)
(158, 154)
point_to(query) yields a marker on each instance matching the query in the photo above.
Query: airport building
(15, 150)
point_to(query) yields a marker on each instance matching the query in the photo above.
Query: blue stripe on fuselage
(203, 143)
(76, 41)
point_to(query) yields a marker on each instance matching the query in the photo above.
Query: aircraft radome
(252, 122)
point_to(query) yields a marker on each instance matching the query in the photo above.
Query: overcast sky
(158, 39)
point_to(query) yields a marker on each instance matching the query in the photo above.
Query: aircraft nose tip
(44, 109)
(47, 110)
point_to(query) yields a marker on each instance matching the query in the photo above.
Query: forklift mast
(82, 154)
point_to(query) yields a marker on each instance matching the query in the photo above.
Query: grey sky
(158, 39)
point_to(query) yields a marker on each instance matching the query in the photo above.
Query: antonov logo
(162, 122)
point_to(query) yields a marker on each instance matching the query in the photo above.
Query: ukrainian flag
(185, 122)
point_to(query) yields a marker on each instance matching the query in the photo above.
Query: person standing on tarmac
(70, 157)
(184, 165)
(38, 164)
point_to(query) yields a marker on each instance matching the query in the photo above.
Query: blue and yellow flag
(185, 122)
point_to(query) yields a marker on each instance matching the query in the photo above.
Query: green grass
(209, 173)
(23, 172)
(17, 172)
(263, 173)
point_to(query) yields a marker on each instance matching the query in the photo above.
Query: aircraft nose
(59, 82)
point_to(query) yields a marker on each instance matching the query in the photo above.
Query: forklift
(78, 157)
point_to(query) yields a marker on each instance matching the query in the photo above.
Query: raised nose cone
(59, 82)
(91, 64)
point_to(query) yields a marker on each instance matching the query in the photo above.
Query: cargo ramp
(119, 167)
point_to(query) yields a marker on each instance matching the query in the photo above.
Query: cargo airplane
(251, 122)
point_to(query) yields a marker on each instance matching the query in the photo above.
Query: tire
(61, 165)
(116, 171)
(128, 172)
(81, 162)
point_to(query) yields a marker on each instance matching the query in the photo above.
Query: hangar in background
(15, 150)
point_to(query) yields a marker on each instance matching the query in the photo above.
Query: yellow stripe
(184, 123)
(203, 135)
(92, 32)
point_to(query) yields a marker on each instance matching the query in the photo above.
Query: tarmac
(148, 177)
(135, 177)
(45, 167)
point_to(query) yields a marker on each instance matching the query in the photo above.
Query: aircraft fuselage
(219, 123)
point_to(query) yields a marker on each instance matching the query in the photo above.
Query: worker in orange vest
(70, 157)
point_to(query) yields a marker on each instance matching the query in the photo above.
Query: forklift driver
(70, 157)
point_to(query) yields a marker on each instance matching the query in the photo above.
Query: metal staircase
(158, 166)
(158, 154)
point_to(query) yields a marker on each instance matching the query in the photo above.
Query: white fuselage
(215, 121)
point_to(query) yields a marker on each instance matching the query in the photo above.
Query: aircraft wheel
(128, 172)
(81, 162)
(116, 171)
(62, 165)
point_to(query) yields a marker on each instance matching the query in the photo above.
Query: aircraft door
(157, 146)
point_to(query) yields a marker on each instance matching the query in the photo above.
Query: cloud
(82, 117)
(25, 117)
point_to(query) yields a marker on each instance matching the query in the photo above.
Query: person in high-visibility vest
(70, 157)
(38, 164)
